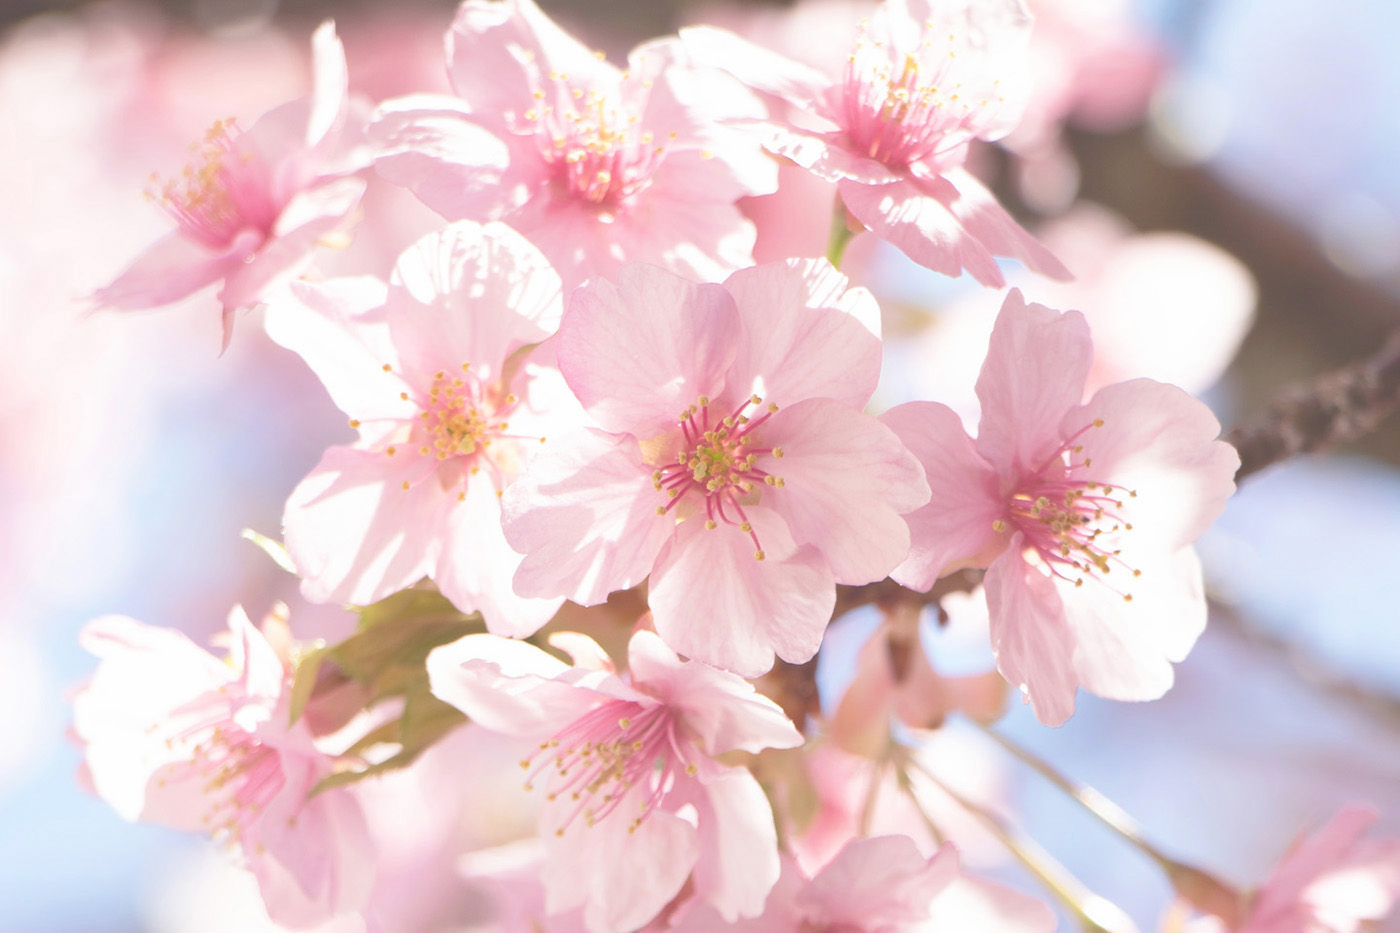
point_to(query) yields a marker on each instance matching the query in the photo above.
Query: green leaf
(271, 548)
(304, 681)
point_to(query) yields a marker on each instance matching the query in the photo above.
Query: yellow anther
(758, 555)
(710, 524)
(405, 485)
(391, 450)
(387, 368)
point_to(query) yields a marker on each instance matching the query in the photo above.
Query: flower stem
(841, 233)
(1095, 914)
(1197, 886)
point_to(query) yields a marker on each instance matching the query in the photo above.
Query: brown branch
(1339, 406)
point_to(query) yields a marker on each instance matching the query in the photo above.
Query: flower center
(233, 770)
(719, 462)
(226, 192)
(595, 149)
(598, 758)
(1076, 524)
(902, 112)
(459, 420)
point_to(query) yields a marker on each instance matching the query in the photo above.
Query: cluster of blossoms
(582, 388)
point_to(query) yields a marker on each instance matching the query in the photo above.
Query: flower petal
(808, 334)
(1034, 373)
(955, 527)
(471, 294)
(848, 480)
(337, 327)
(1034, 646)
(355, 534)
(585, 518)
(638, 353)
(712, 601)
(721, 709)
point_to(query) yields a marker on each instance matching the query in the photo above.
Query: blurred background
(1220, 174)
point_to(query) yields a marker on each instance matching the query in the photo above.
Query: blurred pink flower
(892, 128)
(895, 680)
(257, 204)
(1330, 882)
(173, 735)
(1053, 496)
(598, 166)
(1163, 304)
(883, 884)
(435, 376)
(636, 801)
(733, 460)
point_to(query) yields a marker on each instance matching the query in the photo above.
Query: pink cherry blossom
(1333, 881)
(597, 165)
(635, 800)
(895, 679)
(883, 884)
(435, 376)
(734, 464)
(1083, 513)
(891, 122)
(256, 204)
(173, 735)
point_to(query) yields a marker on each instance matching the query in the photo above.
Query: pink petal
(331, 84)
(507, 686)
(172, 268)
(638, 353)
(355, 534)
(471, 294)
(433, 146)
(337, 327)
(1034, 646)
(809, 335)
(955, 527)
(738, 862)
(722, 710)
(477, 565)
(584, 516)
(1036, 365)
(828, 156)
(1161, 442)
(848, 482)
(756, 66)
(313, 858)
(879, 882)
(987, 222)
(623, 879)
(496, 50)
(921, 226)
(585, 652)
(308, 218)
(261, 671)
(1123, 649)
(751, 609)
(683, 221)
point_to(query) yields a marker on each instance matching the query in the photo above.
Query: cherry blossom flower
(173, 735)
(891, 124)
(883, 884)
(1333, 881)
(254, 207)
(1083, 513)
(596, 165)
(734, 464)
(635, 800)
(435, 374)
